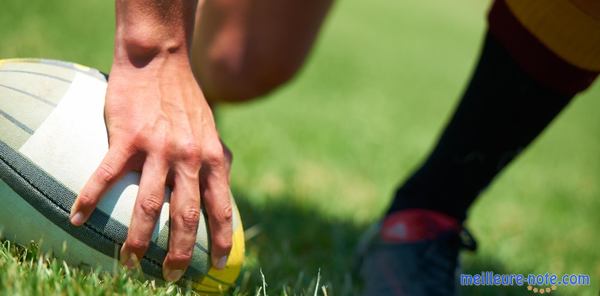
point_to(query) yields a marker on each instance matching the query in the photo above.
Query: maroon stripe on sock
(533, 56)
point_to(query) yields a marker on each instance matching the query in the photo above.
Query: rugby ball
(52, 137)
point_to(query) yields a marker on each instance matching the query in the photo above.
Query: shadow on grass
(293, 244)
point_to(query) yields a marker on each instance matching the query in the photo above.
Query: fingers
(184, 217)
(108, 171)
(185, 213)
(146, 211)
(216, 199)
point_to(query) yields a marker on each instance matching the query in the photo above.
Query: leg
(518, 88)
(501, 112)
(415, 249)
(244, 48)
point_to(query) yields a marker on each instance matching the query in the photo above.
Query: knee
(227, 78)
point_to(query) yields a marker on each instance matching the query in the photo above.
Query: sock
(502, 110)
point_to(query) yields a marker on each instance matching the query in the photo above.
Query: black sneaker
(413, 252)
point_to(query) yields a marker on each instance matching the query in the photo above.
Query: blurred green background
(317, 161)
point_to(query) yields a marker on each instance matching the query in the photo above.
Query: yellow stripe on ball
(218, 281)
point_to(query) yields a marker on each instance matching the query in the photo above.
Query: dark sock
(501, 112)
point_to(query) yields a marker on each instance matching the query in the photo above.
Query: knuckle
(214, 157)
(85, 200)
(223, 242)
(137, 245)
(190, 219)
(152, 142)
(215, 160)
(159, 148)
(105, 173)
(181, 258)
(140, 138)
(151, 205)
(126, 148)
(225, 214)
(190, 152)
(118, 137)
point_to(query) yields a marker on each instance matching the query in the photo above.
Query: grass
(27, 272)
(316, 161)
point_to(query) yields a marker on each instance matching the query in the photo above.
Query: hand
(159, 123)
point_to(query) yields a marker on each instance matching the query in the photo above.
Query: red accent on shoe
(414, 225)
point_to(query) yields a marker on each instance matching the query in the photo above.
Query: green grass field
(316, 161)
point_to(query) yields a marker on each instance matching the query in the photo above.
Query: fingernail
(131, 261)
(172, 275)
(77, 218)
(221, 262)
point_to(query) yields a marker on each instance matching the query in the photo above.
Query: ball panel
(12, 134)
(50, 199)
(29, 90)
(23, 224)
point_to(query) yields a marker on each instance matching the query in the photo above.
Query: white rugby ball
(52, 137)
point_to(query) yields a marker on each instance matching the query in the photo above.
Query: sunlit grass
(317, 161)
(26, 271)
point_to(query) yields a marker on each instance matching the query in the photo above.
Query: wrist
(139, 51)
(147, 30)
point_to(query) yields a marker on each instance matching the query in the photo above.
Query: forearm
(146, 29)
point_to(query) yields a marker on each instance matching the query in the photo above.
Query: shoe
(413, 252)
